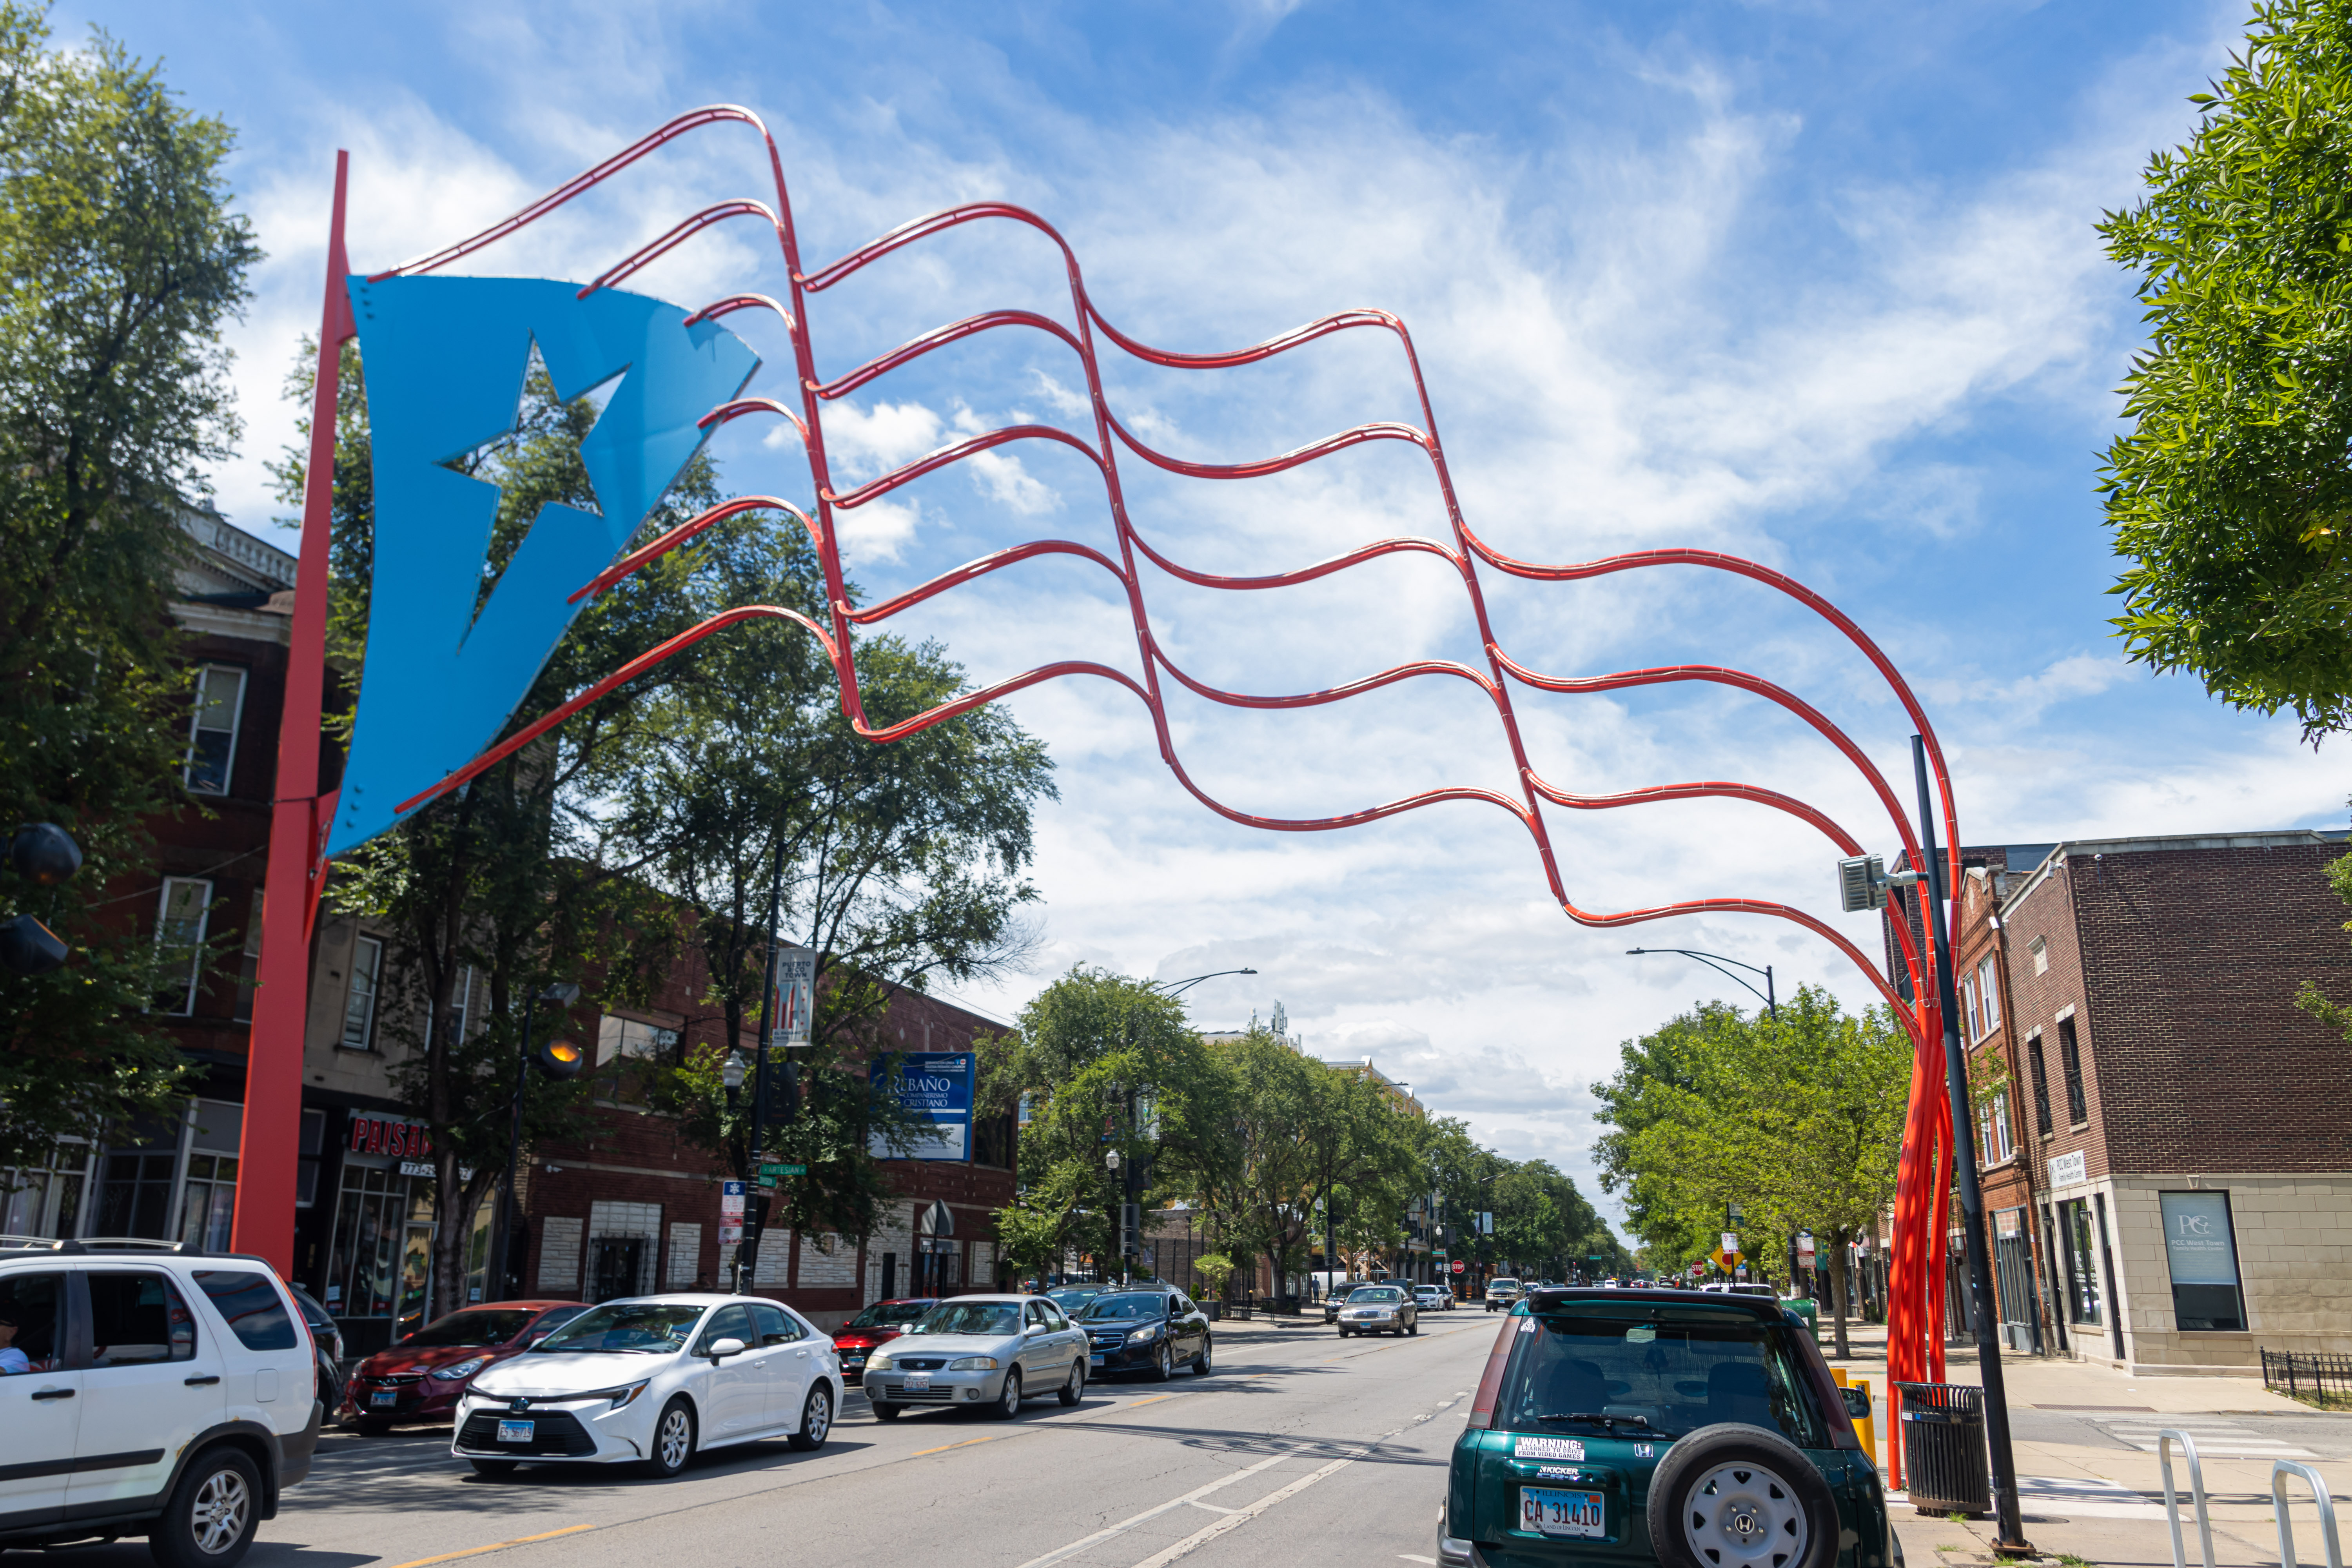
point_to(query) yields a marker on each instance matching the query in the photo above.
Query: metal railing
(2331, 1543)
(2164, 1441)
(2298, 1373)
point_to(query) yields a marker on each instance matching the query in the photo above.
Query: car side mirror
(721, 1348)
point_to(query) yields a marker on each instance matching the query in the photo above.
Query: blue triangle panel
(445, 360)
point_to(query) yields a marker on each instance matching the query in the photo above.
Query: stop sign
(1457, 1265)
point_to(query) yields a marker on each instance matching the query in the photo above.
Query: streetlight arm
(1716, 961)
(1177, 987)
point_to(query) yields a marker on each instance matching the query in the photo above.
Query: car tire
(1736, 1496)
(211, 1515)
(816, 1420)
(1008, 1402)
(1074, 1388)
(1343, 1330)
(888, 1412)
(1163, 1364)
(1201, 1361)
(494, 1469)
(673, 1443)
(1413, 1327)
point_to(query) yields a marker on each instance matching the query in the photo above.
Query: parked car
(987, 1352)
(1073, 1299)
(1379, 1309)
(654, 1380)
(1338, 1296)
(1433, 1298)
(168, 1394)
(1501, 1291)
(1152, 1332)
(874, 1328)
(424, 1376)
(1688, 1430)
(327, 1344)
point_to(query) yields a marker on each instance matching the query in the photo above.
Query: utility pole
(2009, 1536)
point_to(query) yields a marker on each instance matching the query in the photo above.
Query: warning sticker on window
(1548, 1448)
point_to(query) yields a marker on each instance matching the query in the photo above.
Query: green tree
(2231, 494)
(120, 259)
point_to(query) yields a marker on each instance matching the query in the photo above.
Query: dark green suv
(1675, 1427)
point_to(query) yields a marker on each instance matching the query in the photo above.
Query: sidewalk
(2089, 1494)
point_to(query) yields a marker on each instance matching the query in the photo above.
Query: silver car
(987, 1352)
(1379, 1309)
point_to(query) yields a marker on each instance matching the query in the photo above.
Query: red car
(873, 1328)
(420, 1378)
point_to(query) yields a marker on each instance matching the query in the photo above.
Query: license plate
(1550, 1510)
(918, 1381)
(853, 1360)
(1094, 1361)
(516, 1431)
(385, 1396)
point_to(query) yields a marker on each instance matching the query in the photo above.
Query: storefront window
(2201, 1251)
(135, 1194)
(2081, 1245)
(383, 1242)
(44, 1204)
(209, 1206)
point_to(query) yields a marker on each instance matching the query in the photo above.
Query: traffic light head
(558, 1060)
(28, 947)
(44, 853)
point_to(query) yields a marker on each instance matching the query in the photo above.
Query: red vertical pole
(273, 1066)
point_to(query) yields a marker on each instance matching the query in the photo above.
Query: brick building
(2166, 1140)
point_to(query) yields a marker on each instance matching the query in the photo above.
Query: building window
(2079, 1249)
(461, 1005)
(2040, 948)
(209, 1208)
(212, 733)
(621, 1042)
(1968, 1007)
(1993, 1130)
(1989, 995)
(180, 942)
(2070, 1061)
(2201, 1251)
(359, 1003)
(248, 969)
(2041, 1070)
(134, 1195)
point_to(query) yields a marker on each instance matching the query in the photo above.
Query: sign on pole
(933, 1088)
(1458, 1265)
(795, 1001)
(730, 1212)
(1730, 1241)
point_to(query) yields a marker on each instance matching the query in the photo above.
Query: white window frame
(374, 974)
(236, 727)
(1968, 1007)
(2040, 948)
(192, 940)
(1988, 992)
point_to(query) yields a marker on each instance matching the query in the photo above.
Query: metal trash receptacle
(1944, 1459)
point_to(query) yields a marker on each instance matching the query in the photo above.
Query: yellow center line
(918, 1453)
(1137, 1404)
(496, 1546)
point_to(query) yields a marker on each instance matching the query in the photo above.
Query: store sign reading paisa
(402, 1140)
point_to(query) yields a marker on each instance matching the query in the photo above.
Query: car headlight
(972, 1363)
(624, 1396)
(879, 1361)
(467, 1368)
(1148, 1332)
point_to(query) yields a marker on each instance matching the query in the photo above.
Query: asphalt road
(1299, 1447)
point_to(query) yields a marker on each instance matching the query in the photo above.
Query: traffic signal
(784, 1093)
(28, 947)
(1130, 1229)
(44, 853)
(558, 1060)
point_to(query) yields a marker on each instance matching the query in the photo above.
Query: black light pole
(1715, 960)
(1177, 987)
(563, 992)
(2009, 1526)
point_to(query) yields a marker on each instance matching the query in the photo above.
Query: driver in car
(12, 1360)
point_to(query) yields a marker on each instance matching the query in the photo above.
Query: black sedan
(1149, 1330)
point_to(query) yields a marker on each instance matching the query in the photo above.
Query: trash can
(1944, 1456)
(1213, 1310)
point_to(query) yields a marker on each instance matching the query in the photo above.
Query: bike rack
(2164, 1441)
(2334, 1544)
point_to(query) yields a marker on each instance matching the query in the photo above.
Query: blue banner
(935, 1089)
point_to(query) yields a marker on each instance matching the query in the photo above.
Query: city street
(1299, 1447)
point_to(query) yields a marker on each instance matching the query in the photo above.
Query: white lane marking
(1212, 1508)
(1408, 1557)
(1124, 1525)
(1240, 1517)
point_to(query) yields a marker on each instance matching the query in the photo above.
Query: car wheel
(816, 1420)
(673, 1440)
(1735, 1496)
(1413, 1327)
(1343, 1330)
(1074, 1388)
(494, 1469)
(1201, 1361)
(213, 1513)
(888, 1412)
(1008, 1403)
(1164, 1365)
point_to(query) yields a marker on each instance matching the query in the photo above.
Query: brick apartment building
(2164, 1141)
(625, 1206)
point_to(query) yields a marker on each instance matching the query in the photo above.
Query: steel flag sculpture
(445, 358)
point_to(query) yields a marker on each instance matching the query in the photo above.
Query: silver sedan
(987, 1352)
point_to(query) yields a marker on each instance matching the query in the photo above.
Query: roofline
(2153, 844)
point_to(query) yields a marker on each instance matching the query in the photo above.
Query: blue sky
(1816, 285)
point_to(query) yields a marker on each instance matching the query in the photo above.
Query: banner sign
(794, 1005)
(934, 1087)
(730, 1212)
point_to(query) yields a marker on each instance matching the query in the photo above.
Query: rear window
(250, 1302)
(1600, 1368)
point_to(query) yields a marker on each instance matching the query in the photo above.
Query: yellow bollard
(1857, 1407)
(1837, 1373)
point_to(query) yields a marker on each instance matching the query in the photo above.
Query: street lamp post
(562, 992)
(1177, 987)
(1716, 961)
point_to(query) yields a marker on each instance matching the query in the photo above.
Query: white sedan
(1433, 1298)
(651, 1380)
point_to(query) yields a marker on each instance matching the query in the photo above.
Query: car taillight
(1490, 1384)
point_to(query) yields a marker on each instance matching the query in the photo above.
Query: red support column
(273, 1069)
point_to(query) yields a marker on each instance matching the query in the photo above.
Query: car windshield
(1656, 1372)
(478, 1327)
(1070, 1298)
(1502, 1284)
(649, 1327)
(971, 1318)
(1126, 1306)
(890, 1315)
(1376, 1294)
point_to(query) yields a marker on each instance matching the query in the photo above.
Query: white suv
(166, 1392)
